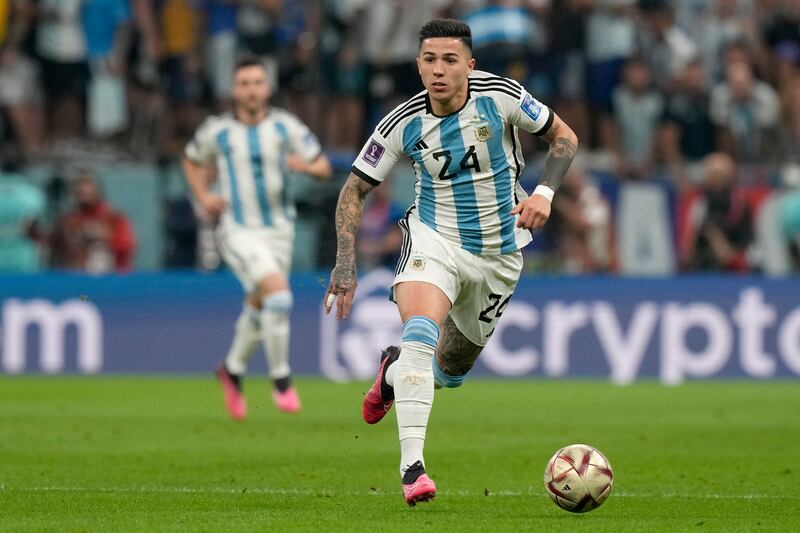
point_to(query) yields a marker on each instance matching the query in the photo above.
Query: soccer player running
(461, 257)
(255, 150)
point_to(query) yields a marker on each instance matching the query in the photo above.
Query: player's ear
(471, 65)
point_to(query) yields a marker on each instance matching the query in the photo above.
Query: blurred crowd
(702, 96)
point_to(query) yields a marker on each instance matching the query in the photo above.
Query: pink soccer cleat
(380, 397)
(232, 392)
(417, 486)
(287, 401)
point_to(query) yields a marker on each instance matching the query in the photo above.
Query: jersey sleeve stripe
(484, 86)
(497, 89)
(547, 124)
(504, 81)
(364, 176)
(497, 82)
(397, 120)
(383, 123)
(405, 105)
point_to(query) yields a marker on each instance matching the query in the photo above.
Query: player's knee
(421, 329)
(278, 302)
(445, 380)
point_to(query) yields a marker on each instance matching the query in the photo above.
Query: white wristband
(544, 190)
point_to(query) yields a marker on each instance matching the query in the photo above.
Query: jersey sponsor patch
(531, 107)
(373, 153)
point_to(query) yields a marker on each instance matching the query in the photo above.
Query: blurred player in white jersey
(461, 257)
(254, 151)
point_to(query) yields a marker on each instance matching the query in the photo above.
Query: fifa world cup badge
(482, 132)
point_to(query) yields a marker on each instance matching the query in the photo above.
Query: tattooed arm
(349, 209)
(535, 210)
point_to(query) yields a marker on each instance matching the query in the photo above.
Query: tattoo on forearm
(349, 209)
(559, 158)
(455, 354)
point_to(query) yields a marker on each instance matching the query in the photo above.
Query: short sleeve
(202, 148)
(530, 114)
(377, 157)
(302, 140)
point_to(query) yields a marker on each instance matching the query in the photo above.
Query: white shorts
(255, 253)
(478, 286)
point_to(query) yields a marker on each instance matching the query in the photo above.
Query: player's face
(444, 64)
(250, 88)
(86, 193)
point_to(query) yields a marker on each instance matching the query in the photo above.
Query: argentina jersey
(250, 161)
(467, 163)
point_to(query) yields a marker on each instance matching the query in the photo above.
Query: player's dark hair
(447, 28)
(247, 61)
(84, 175)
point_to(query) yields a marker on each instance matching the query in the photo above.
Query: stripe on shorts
(406, 249)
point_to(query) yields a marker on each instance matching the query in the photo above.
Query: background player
(255, 149)
(461, 260)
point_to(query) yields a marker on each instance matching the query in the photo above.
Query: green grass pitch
(159, 454)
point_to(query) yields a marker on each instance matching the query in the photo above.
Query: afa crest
(482, 132)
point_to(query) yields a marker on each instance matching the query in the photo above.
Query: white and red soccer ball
(578, 478)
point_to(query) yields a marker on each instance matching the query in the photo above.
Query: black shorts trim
(406, 248)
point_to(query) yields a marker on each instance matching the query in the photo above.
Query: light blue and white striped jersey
(252, 176)
(467, 163)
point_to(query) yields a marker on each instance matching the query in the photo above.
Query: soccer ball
(578, 478)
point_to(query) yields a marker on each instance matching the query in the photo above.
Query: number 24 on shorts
(498, 305)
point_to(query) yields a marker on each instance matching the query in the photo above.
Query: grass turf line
(159, 454)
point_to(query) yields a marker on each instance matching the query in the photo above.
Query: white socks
(412, 376)
(390, 373)
(270, 326)
(245, 341)
(275, 332)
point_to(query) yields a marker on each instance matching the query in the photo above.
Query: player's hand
(533, 212)
(341, 289)
(213, 205)
(295, 163)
